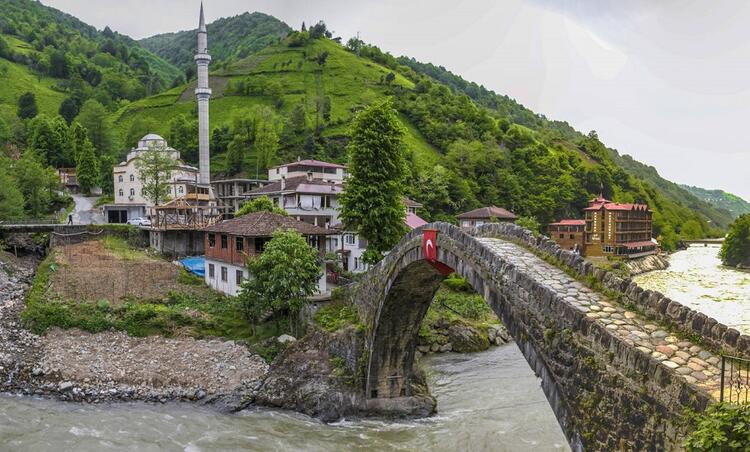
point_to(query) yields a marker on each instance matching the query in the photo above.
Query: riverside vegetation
(735, 251)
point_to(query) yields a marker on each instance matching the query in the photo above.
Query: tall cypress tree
(87, 170)
(372, 200)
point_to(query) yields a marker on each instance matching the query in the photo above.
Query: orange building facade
(569, 234)
(614, 229)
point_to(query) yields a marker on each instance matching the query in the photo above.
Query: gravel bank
(78, 366)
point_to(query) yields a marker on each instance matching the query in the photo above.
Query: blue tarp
(195, 265)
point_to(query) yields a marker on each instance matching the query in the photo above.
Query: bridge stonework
(601, 365)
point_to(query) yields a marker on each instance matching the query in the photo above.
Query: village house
(490, 214)
(568, 233)
(309, 190)
(229, 243)
(614, 229)
(129, 199)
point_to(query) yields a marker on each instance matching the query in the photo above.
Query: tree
(69, 109)
(262, 204)
(11, 198)
(295, 131)
(95, 119)
(183, 136)
(155, 173)
(390, 78)
(77, 137)
(220, 138)
(27, 108)
(529, 223)
(736, 247)
(43, 138)
(87, 170)
(282, 278)
(36, 182)
(266, 143)
(371, 203)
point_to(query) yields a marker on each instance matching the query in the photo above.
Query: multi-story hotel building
(614, 229)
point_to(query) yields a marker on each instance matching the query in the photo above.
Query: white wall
(230, 286)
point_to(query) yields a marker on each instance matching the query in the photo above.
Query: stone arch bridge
(615, 369)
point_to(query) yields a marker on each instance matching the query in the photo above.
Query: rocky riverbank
(112, 366)
(457, 336)
(647, 264)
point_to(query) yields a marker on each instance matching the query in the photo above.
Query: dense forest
(230, 39)
(297, 96)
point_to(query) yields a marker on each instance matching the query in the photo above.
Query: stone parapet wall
(651, 303)
(606, 393)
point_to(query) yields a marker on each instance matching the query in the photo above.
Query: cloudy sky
(667, 82)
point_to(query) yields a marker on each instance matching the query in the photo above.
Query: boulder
(284, 338)
(464, 338)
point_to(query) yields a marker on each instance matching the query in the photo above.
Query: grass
(351, 83)
(18, 79)
(461, 306)
(190, 309)
(336, 316)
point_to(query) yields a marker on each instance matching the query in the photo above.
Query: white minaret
(203, 94)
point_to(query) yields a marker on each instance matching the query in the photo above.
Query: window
(239, 244)
(349, 239)
(356, 263)
(224, 241)
(239, 276)
(465, 224)
(608, 249)
(132, 192)
(121, 193)
(181, 189)
(119, 178)
(259, 243)
(211, 271)
(132, 178)
(562, 236)
(223, 273)
(211, 240)
(572, 236)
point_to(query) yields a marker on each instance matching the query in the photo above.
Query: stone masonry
(619, 371)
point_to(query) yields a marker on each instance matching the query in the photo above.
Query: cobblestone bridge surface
(620, 371)
(697, 366)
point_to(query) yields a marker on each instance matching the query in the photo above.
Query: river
(697, 279)
(486, 401)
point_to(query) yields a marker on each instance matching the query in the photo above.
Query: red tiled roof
(569, 223)
(311, 162)
(414, 221)
(487, 213)
(598, 203)
(298, 184)
(631, 245)
(264, 224)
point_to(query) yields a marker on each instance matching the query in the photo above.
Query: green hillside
(469, 147)
(86, 63)
(504, 106)
(281, 78)
(721, 199)
(230, 39)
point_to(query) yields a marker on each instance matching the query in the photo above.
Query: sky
(667, 81)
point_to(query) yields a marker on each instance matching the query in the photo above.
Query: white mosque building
(129, 198)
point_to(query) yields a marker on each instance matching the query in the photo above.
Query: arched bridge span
(614, 379)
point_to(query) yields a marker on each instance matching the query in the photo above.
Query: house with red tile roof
(568, 234)
(228, 243)
(617, 229)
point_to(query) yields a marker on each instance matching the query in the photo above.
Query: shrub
(457, 283)
(722, 427)
(335, 316)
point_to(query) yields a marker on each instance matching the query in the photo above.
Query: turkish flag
(429, 245)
